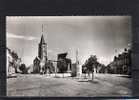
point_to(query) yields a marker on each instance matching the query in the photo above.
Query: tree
(15, 58)
(14, 55)
(23, 68)
(91, 64)
(84, 70)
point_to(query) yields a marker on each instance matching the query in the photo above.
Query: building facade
(63, 63)
(121, 64)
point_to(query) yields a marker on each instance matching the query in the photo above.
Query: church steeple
(42, 49)
(42, 40)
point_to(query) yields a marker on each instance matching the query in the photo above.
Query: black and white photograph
(69, 56)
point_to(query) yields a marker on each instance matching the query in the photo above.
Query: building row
(121, 64)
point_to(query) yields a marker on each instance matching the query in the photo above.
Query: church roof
(42, 40)
(62, 55)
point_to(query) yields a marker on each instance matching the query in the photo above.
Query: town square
(72, 56)
(42, 85)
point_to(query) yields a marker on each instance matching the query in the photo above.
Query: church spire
(42, 37)
(42, 40)
(42, 28)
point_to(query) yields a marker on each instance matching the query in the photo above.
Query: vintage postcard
(69, 56)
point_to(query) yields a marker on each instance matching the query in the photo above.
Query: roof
(62, 55)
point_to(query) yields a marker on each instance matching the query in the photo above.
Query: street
(42, 85)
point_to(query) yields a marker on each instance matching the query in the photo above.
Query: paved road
(40, 85)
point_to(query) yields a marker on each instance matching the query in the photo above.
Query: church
(41, 64)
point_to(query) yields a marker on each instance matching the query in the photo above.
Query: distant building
(121, 64)
(63, 64)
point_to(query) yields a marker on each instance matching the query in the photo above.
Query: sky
(90, 35)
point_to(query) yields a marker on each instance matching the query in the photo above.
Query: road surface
(42, 85)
